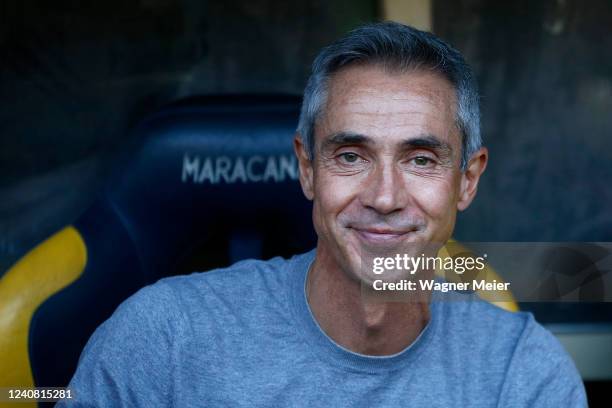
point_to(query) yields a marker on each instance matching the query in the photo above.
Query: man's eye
(422, 161)
(349, 157)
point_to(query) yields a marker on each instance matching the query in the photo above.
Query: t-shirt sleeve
(129, 358)
(541, 373)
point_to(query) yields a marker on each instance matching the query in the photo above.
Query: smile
(380, 236)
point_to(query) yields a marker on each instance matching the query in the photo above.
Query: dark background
(76, 75)
(545, 73)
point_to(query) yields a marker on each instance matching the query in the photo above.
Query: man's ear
(306, 169)
(469, 178)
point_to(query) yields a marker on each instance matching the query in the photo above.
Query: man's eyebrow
(343, 138)
(422, 141)
(428, 141)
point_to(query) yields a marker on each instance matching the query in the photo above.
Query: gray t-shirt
(244, 336)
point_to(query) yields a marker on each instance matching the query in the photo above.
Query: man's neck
(361, 324)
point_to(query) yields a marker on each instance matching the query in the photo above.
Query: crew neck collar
(326, 348)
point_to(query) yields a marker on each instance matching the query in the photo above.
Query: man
(389, 149)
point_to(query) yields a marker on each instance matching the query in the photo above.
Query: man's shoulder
(540, 371)
(169, 295)
(472, 316)
(499, 334)
(515, 344)
(520, 328)
(167, 309)
(480, 318)
(245, 287)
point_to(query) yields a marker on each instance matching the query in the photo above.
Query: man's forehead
(379, 84)
(372, 101)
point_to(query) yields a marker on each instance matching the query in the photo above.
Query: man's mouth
(381, 235)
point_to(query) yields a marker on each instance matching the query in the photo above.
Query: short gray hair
(398, 47)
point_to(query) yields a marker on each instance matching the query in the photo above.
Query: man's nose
(385, 191)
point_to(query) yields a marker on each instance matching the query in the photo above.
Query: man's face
(386, 175)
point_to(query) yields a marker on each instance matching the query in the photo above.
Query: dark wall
(545, 73)
(74, 75)
(73, 72)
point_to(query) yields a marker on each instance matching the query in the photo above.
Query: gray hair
(397, 47)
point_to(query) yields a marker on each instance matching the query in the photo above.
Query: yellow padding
(42, 272)
(452, 249)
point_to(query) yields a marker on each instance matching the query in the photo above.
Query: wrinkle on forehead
(372, 82)
(389, 99)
